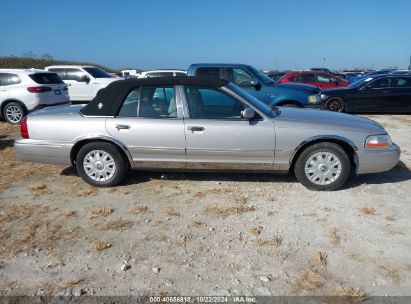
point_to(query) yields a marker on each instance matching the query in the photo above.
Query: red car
(319, 79)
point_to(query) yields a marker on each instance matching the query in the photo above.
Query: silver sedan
(189, 123)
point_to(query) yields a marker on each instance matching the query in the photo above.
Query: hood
(299, 86)
(328, 120)
(108, 80)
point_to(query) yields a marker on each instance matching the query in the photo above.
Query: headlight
(378, 141)
(313, 99)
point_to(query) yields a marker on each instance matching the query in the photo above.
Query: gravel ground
(203, 234)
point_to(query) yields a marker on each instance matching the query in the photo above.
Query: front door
(372, 97)
(80, 88)
(151, 127)
(218, 137)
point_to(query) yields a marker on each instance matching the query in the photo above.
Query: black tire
(335, 104)
(309, 153)
(13, 112)
(120, 165)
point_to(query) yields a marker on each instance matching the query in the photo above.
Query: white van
(83, 81)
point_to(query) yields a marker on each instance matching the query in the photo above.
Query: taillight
(23, 128)
(38, 89)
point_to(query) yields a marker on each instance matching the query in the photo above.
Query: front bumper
(378, 160)
(314, 106)
(41, 151)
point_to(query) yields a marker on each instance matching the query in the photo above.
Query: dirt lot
(202, 234)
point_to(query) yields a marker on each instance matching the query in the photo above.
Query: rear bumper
(378, 160)
(41, 151)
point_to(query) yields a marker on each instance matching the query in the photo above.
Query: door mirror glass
(248, 113)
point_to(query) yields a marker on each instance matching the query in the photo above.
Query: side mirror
(85, 79)
(248, 113)
(256, 85)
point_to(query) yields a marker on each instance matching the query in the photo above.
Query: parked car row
(201, 123)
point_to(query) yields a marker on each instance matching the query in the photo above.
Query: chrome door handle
(122, 127)
(195, 128)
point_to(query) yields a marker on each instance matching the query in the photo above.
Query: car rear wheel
(323, 167)
(101, 164)
(14, 112)
(334, 104)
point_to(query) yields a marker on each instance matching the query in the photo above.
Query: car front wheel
(100, 164)
(323, 167)
(334, 104)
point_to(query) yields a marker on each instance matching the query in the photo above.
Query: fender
(324, 138)
(107, 138)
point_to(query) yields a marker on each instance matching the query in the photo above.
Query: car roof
(69, 66)
(164, 70)
(24, 71)
(218, 64)
(108, 101)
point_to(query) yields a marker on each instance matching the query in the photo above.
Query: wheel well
(76, 148)
(6, 102)
(350, 150)
(293, 102)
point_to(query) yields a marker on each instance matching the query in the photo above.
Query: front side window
(97, 72)
(380, 83)
(206, 103)
(242, 78)
(150, 102)
(323, 78)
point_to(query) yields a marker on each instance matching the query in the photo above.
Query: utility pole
(409, 67)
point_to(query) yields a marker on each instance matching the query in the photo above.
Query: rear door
(219, 138)
(401, 90)
(4, 86)
(150, 125)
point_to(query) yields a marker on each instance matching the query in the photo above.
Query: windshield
(97, 73)
(254, 101)
(261, 76)
(360, 82)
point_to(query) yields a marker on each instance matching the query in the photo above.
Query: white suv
(22, 91)
(162, 73)
(84, 81)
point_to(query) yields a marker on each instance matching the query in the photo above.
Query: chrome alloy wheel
(323, 168)
(14, 114)
(99, 165)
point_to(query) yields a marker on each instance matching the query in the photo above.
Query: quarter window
(9, 79)
(150, 102)
(209, 103)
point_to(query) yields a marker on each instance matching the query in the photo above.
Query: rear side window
(74, 74)
(150, 102)
(9, 79)
(59, 72)
(307, 78)
(208, 72)
(46, 78)
(402, 82)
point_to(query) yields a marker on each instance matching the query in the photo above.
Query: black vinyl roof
(111, 98)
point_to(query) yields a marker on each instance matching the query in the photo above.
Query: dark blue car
(260, 85)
